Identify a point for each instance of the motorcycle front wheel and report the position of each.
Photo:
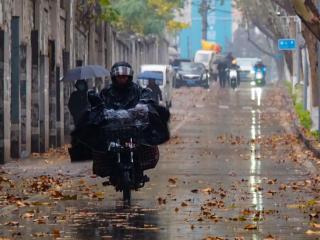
(126, 192)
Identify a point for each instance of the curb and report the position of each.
(309, 143)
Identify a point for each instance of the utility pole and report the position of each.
(203, 10)
(306, 79)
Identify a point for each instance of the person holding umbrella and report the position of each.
(156, 91)
(78, 102)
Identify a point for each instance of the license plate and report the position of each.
(191, 82)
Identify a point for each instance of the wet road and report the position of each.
(232, 170)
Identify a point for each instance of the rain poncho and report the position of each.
(114, 109)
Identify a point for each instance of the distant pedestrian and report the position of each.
(222, 68)
(78, 102)
(156, 91)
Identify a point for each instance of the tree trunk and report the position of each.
(312, 45)
(204, 9)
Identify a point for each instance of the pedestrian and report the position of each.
(229, 58)
(222, 68)
(78, 102)
(156, 91)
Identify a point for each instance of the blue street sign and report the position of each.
(287, 44)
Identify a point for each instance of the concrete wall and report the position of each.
(40, 40)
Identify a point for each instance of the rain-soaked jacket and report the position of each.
(114, 102)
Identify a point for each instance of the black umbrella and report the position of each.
(86, 72)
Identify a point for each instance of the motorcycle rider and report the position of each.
(259, 66)
(124, 94)
(236, 67)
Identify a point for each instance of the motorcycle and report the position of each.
(125, 158)
(124, 143)
(259, 78)
(233, 77)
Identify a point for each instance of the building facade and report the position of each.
(220, 22)
(40, 40)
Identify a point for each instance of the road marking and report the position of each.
(247, 108)
(223, 107)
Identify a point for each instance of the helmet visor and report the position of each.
(122, 71)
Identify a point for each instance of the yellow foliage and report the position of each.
(174, 26)
(163, 7)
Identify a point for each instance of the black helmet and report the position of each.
(121, 69)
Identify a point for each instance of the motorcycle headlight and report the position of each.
(259, 75)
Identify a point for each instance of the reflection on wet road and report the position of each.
(225, 173)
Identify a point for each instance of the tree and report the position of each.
(147, 16)
(91, 11)
(136, 16)
(262, 14)
(205, 7)
(309, 15)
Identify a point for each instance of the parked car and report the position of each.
(246, 70)
(207, 59)
(166, 84)
(177, 62)
(192, 74)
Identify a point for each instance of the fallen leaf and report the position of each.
(172, 180)
(213, 238)
(311, 232)
(56, 233)
(251, 227)
(39, 234)
(162, 200)
(40, 221)
(12, 223)
(183, 204)
(315, 225)
(269, 237)
(28, 215)
(208, 190)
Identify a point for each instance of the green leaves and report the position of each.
(146, 16)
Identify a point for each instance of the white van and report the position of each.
(206, 58)
(166, 85)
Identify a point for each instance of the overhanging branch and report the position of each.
(258, 47)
